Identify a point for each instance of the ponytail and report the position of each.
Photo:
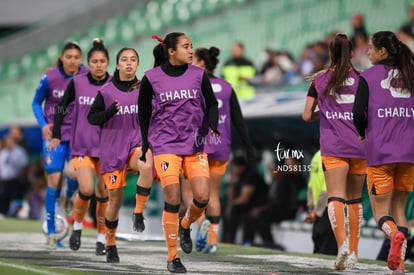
(159, 56)
(340, 50)
(405, 64)
(399, 54)
(160, 51)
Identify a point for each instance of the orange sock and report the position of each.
(337, 218)
(110, 227)
(200, 219)
(192, 214)
(140, 202)
(388, 226)
(141, 198)
(170, 226)
(212, 233)
(100, 215)
(81, 206)
(355, 215)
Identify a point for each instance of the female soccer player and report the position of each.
(50, 90)
(84, 137)
(229, 113)
(176, 106)
(115, 111)
(343, 155)
(383, 116)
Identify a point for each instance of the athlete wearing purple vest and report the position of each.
(384, 117)
(50, 90)
(176, 107)
(229, 114)
(81, 93)
(343, 155)
(115, 110)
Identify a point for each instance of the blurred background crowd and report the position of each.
(269, 47)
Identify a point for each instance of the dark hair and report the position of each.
(69, 45)
(160, 51)
(98, 46)
(118, 55)
(399, 54)
(340, 49)
(209, 56)
(406, 29)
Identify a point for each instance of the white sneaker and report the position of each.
(352, 260)
(210, 249)
(342, 256)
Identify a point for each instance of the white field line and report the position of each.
(26, 268)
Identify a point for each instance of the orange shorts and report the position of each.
(382, 179)
(117, 179)
(218, 166)
(356, 166)
(168, 167)
(81, 161)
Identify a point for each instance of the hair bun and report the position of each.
(97, 42)
(213, 51)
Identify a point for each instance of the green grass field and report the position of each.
(23, 251)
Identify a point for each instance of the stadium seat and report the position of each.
(96, 31)
(11, 69)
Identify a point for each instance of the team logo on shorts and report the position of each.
(112, 178)
(164, 165)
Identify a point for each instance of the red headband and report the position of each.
(158, 38)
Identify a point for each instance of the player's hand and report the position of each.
(47, 131)
(215, 132)
(113, 109)
(147, 163)
(54, 143)
(311, 217)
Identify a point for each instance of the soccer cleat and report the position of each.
(352, 260)
(51, 241)
(202, 235)
(112, 254)
(138, 222)
(75, 239)
(59, 245)
(341, 257)
(185, 239)
(175, 266)
(394, 255)
(100, 249)
(69, 206)
(210, 249)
